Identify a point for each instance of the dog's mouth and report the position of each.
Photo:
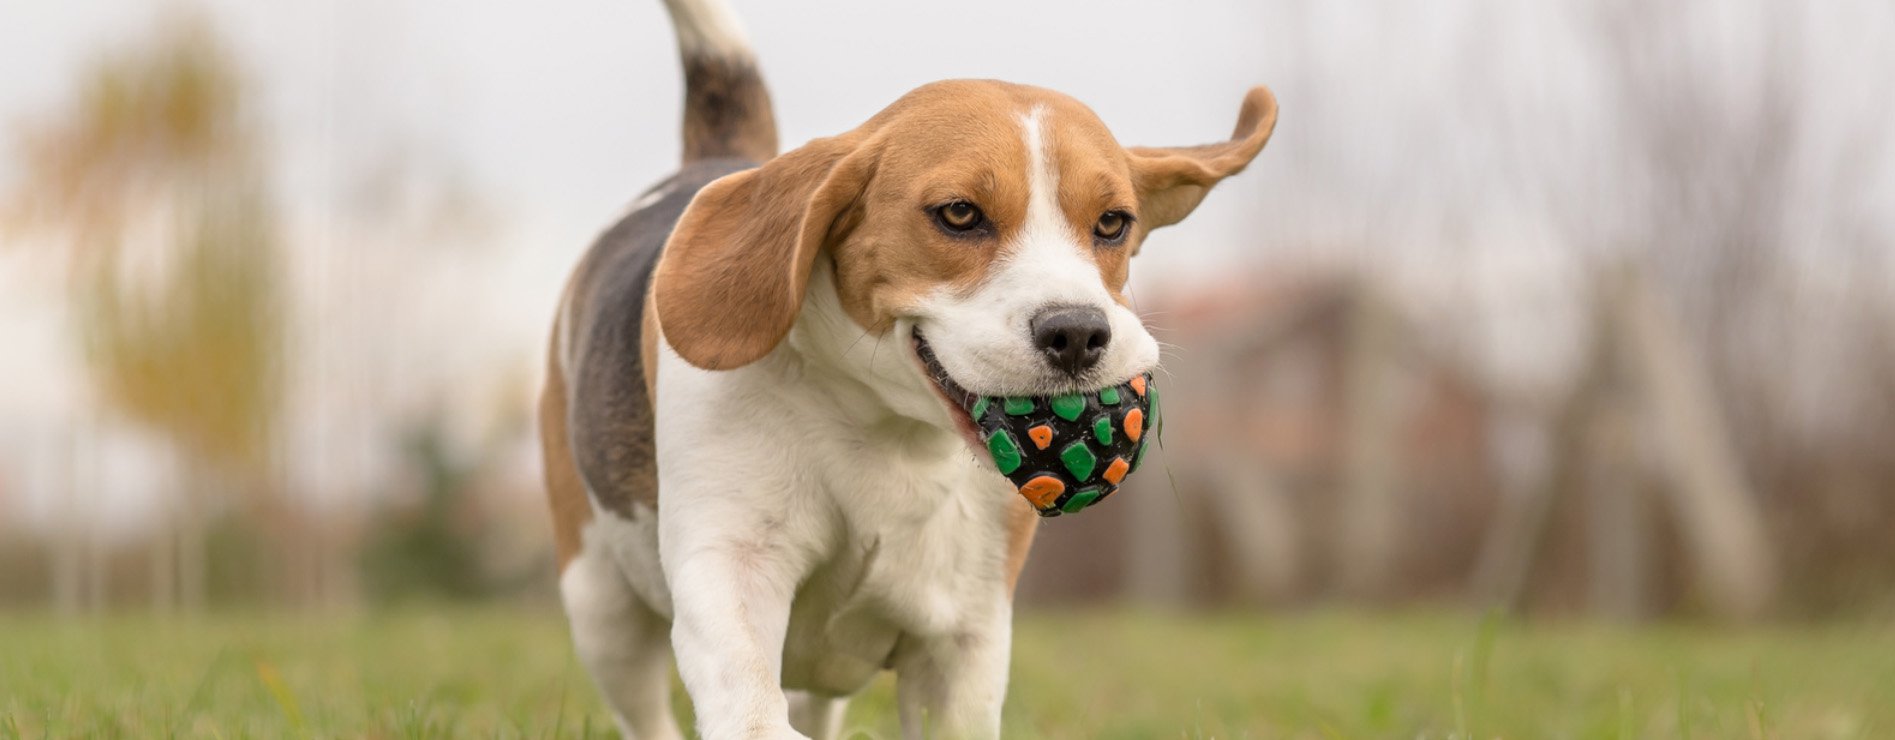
(960, 401)
(1064, 451)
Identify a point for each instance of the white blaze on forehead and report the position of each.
(1042, 179)
(1044, 254)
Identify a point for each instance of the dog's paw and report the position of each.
(778, 733)
(757, 732)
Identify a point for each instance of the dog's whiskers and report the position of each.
(858, 340)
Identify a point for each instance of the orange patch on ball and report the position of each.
(1134, 424)
(1043, 491)
(1138, 386)
(1117, 470)
(1041, 435)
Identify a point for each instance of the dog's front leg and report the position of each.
(733, 578)
(953, 685)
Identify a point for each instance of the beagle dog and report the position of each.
(753, 471)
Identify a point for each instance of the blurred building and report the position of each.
(1315, 447)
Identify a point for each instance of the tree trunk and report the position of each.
(66, 551)
(199, 487)
(1259, 526)
(1370, 516)
(164, 559)
(1618, 527)
(1714, 504)
(1157, 562)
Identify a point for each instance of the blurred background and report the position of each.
(1579, 307)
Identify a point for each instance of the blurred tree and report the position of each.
(430, 551)
(153, 185)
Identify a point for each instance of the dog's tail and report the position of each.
(726, 106)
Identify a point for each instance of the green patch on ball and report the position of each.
(1070, 451)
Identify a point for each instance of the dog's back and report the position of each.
(595, 414)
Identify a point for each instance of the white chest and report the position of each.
(922, 552)
(897, 528)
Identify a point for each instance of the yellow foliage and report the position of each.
(191, 345)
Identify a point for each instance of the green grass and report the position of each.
(500, 673)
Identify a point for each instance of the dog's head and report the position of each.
(992, 223)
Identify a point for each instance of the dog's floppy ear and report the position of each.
(1171, 181)
(733, 274)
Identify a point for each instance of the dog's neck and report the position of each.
(872, 377)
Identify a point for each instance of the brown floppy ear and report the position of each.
(1171, 181)
(733, 274)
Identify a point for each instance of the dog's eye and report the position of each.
(1112, 226)
(959, 216)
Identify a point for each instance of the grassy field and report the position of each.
(499, 673)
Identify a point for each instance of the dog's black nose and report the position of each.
(1073, 338)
